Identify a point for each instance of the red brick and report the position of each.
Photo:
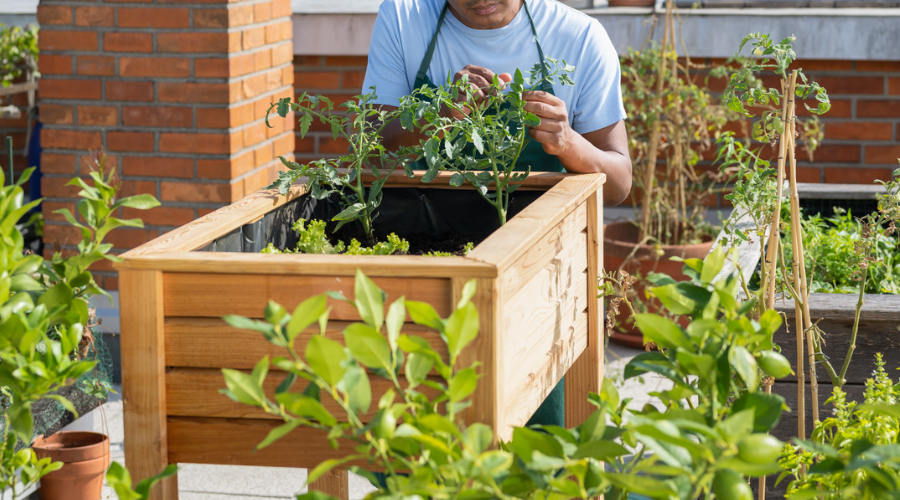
(241, 115)
(195, 92)
(140, 166)
(838, 153)
(60, 235)
(96, 65)
(878, 109)
(54, 114)
(851, 85)
(49, 207)
(128, 42)
(126, 237)
(262, 12)
(287, 31)
(882, 154)
(218, 169)
(853, 175)
(254, 86)
(161, 216)
(880, 66)
(894, 86)
(153, 116)
(95, 16)
(352, 80)
(153, 17)
(213, 117)
(173, 67)
(857, 131)
(259, 179)
(254, 134)
(281, 8)
(317, 80)
(54, 14)
(132, 187)
(263, 155)
(331, 146)
(98, 115)
(70, 139)
(283, 54)
(68, 40)
(50, 64)
(287, 75)
(815, 65)
(262, 60)
(211, 18)
(361, 61)
(240, 15)
(192, 42)
(195, 143)
(110, 283)
(196, 192)
(211, 68)
(130, 141)
(52, 163)
(129, 91)
(240, 65)
(69, 89)
(253, 37)
(304, 145)
(273, 33)
(809, 174)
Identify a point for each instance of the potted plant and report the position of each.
(535, 274)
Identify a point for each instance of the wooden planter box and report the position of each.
(537, 299)
(835, 313)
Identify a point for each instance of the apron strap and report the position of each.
(422, 75)
(546, 86)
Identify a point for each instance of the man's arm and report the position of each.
(604, 150)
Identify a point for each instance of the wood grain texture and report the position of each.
(787, 426)
(202, 231)
(842, 307)
(839, 191)
(535, 180)
(216, 295)
(509, 243)
(194, 392)
(485, 349)
(586, 374)
(334, 482)
(223, 441)
(143, 379)
(227, 347)
(306, 264)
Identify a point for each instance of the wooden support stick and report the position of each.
(334, 483)
(772, 252)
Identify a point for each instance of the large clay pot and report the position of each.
(85, 458)
(619, 240)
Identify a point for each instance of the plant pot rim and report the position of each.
(89, 446)
(622, 230)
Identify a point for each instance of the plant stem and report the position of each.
(860, 300)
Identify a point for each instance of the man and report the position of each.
(419, 42)
(581, 126)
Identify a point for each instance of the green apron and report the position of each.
(552, 410)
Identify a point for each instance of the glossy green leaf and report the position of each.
(368, 346)
(663, 331)
(369, 300)
(325, 357)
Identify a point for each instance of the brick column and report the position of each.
(175, 91)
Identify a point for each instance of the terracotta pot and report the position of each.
(85, 458)
(619, 240)
(632, 3)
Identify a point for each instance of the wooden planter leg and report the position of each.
(143, 379)
(586, 374)
(334, 483)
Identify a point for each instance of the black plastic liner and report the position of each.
(825, 208)
(439, 212)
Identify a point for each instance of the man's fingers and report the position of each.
(540, 95)
(545, 110)
(504, 77)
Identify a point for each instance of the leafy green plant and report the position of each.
(314, 240)
(44, 312)
(360, 124)
(482, 147)
(119, 480)
(856, 452)
(18, 52)
(468, 248)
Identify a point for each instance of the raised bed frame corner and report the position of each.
(540, 319)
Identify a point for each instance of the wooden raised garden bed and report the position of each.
(539, 315)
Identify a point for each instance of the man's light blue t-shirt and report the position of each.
(404, 28)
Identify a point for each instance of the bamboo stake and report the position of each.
(774, 240)
(653, 153)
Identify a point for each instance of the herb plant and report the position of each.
(18, 52)
(314, 240)
(482, 147)
(361, 124)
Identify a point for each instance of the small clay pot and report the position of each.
(619, 240)
(85, 458)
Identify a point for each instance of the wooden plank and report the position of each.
(509, 243)
(810, 191)
(535, 180)
(18, 88)
(305, 264)
(486, 350)
(222, 441)
(143, 382)
(334, 482)
(194, 392)
(570, 231)
(227, 347)
(842, 307)
(202, 231)
(586, 374)
(873, 337)
(527, 394)
(787, 426)
(216, 295)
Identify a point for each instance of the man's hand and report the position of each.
(480, 79)
(554, 132)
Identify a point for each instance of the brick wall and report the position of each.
(175, 91)
(17, 129)
(862, 130)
